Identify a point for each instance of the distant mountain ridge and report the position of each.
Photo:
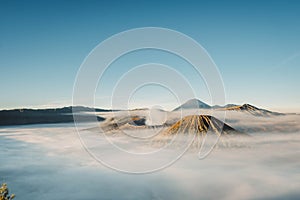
(193, 104)
(67, 109)
(65, 114)
(197, 104)
(46, 116)
(251, 109)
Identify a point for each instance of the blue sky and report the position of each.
(255, 45)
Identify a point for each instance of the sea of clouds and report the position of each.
(49, 162)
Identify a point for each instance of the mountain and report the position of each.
(197, 127)
(200, 124)
(251, 109)
(226, 106)
(196, 104)
(193, 104)
(45, 116)
(123, 122)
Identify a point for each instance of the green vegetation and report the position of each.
(4, 193)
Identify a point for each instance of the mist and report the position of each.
(48, 162)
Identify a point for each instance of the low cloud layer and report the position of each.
(48, 162)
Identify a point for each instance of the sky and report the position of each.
(255, 45)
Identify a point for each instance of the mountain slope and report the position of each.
(123, 122)
(200, 124)
(197, 129)
(251, 109)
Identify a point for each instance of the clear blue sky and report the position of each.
(255, 44)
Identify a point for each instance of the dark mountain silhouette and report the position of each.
(44, 116)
